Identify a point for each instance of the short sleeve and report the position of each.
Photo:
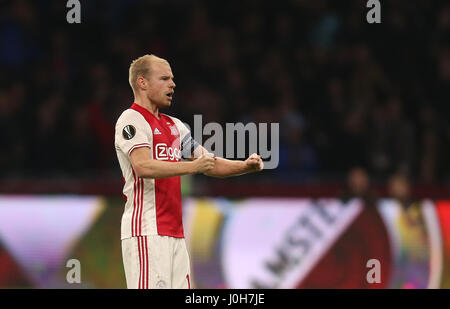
(132, 131)
(187, 144)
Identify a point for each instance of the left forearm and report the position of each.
(226, 168)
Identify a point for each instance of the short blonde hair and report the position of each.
(142, 67)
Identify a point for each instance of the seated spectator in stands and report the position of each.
(358, 186)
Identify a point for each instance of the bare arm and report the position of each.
(227, 168)
(148, 168)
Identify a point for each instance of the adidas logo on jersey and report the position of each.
(156, 131)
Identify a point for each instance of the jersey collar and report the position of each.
(146, 113)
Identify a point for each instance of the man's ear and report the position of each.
(142, 83)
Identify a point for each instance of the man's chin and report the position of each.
(164, 104)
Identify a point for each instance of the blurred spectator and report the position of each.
(359, 186)
(400, 189)
(17, 35)
(298, 159)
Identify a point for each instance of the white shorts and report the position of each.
(156, 262)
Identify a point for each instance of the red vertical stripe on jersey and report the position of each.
(134, 205)
(189, 283)
(142, 206)
(138, 208)
(124, 196)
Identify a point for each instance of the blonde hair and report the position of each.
(142, 67)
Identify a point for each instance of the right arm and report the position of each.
(149, 168)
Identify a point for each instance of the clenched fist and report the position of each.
(205, 163)
(254, 163)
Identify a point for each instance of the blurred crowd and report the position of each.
(346, 93)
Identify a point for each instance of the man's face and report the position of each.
(161, 84)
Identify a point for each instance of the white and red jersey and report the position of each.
(153, 206)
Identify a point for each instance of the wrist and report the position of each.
(191, 167)
(246, 168)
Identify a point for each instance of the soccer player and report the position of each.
(150, 146)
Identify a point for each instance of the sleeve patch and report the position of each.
(128, 132)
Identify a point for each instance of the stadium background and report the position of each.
(363, 112)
